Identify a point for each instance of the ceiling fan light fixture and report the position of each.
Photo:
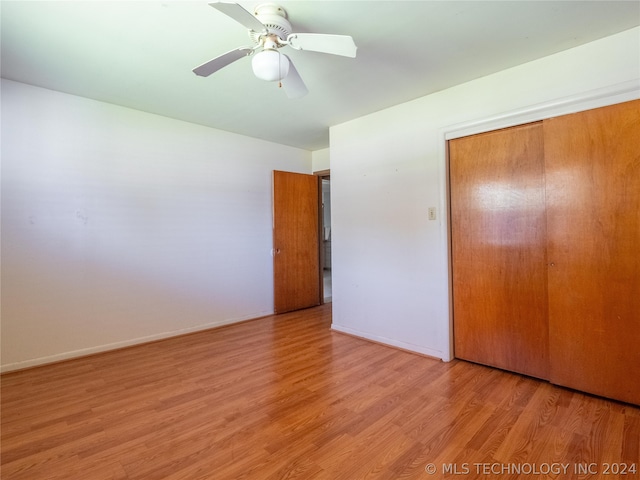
(270, 65)
(270, 30)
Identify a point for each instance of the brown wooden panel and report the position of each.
(296, 262)
(593, 212)
(499, 249)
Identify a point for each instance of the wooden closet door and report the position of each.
(498, 241)
(593, 213)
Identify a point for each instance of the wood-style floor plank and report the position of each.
(284, 397)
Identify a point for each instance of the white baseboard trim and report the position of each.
(83, 352)
(410, 347)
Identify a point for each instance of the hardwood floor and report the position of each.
(284, 397)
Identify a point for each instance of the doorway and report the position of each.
(325, 244)
(301, 240)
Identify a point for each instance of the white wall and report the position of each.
(320, 160)
(120, 226)
(390, 263)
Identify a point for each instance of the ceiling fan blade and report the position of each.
(293, 85)
(319, 42)
(240, 15)
(221, 61)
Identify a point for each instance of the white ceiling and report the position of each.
(139, 54)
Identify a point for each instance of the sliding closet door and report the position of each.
(498, 234)
(593, 214)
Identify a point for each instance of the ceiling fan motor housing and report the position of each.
(274, 17)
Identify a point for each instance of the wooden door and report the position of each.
(592, 163)
(498, 243)
(296, 234)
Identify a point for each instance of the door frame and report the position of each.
(322, 175)
(600, 97)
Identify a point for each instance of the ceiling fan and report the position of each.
(270, 30)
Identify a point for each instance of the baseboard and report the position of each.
(409, 347)
(84, 352)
